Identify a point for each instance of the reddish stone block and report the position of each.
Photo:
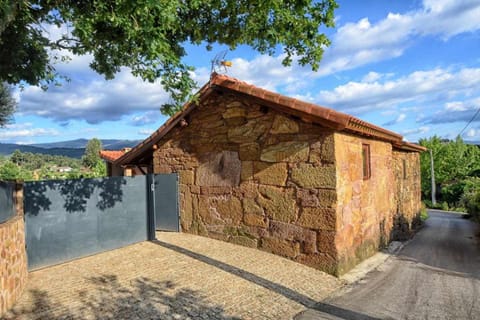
(281, 247)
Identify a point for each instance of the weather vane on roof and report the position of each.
(219, 64)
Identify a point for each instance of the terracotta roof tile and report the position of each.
(111, 155)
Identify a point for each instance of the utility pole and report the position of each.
(432, 171)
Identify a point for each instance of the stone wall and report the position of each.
(407, 194)
(364, 206)
(13, 258)
(256, 177)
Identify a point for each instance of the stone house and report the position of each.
(271, 172)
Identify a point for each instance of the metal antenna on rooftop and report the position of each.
(219, 64)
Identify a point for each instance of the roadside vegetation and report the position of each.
(457, 175)
(29, 166)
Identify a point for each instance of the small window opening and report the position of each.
(404, 169)
(366, 161)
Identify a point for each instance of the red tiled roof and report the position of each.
(304, 110)
(111, 155)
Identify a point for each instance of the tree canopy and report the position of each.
(92, 153)
(150, 36)
(7, 105)
(457, 168)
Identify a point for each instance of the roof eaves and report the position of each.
(359, 126)
(408, 146)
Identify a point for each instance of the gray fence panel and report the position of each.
(166, 202)
(7, 204)
(74, 218)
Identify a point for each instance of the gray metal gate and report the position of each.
(69, 219)
(166, 202)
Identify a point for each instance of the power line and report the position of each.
(469, 122)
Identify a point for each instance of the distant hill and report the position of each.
(72, 148)
(8, 148)
(108, 144)
(472, 142)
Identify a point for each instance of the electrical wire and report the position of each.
(469, 122)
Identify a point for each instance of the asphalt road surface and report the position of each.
(435, 276)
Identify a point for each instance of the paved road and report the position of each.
(435, 276)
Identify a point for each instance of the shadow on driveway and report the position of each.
(275, 287)
(107, 298)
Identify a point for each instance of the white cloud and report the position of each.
(397, 120)
(420, 130)
(10, 133)
(269, 73)
(359, 43)
(145, 118)
(456, 111)
(145, 132)
(88, 97)
(371, 77)
(472, 133)
(420, 86)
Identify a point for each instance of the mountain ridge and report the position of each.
(69, 148)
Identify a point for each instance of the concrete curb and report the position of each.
(372, 263)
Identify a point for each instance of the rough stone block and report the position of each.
(318, 218)
(236, 104)
(289, 151)
(278, 203)
(249, 151)
(309, 176)
(283, 124)
(186, 177)
(186, 209)
(319, 261)
(216, 190)
(247, 189)
(247, 171)
(207, 214)
(219, 169)
(251, 207)
(244, 241)
(271, 173)
(286, 231)
(281, 247)
(326, 242)
(328, 149)
(229, 209)
(254, 220)
(308, 197)
(249, 132)
(234, 112)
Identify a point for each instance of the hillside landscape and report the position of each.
(70, 148)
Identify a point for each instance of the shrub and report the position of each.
(423, 213)
(471, 201)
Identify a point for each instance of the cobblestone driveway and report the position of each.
(180, 276)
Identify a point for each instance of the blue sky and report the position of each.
(409, 66)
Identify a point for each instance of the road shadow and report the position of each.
(107, 298)
(448, 244)
(269, 285)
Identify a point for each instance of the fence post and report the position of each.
(150, 189)
(18, 198)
